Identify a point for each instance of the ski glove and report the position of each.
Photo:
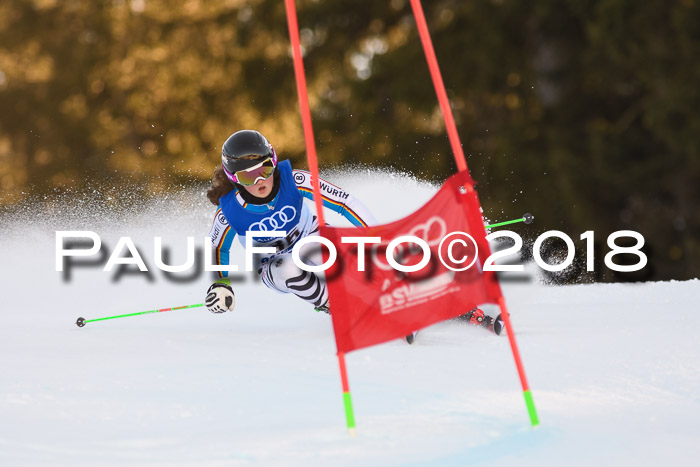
(220, 297)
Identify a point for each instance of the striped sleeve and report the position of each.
(222, 236)
(336, 199)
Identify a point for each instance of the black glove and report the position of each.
(220, 297)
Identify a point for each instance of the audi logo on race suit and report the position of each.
(276, 221)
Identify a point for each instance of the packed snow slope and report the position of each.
(614, 369)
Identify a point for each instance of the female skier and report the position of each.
(254, 192)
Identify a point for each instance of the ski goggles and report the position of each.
(263, 170)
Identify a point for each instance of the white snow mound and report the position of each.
(614, 369)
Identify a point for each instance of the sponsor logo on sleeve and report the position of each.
(334, 192)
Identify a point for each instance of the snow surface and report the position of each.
(614, 369)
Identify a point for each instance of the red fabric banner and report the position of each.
(380, 303)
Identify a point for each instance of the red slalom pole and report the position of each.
(313, 168)
(457, 151)
(347, 399)
(529, 401)
(304, 106)
(462, 165)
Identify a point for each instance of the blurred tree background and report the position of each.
(583, 112)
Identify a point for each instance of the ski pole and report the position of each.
(527, 218)
(82, 321)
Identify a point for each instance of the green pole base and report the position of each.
(349, 413)
(530, 403)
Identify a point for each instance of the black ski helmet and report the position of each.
(243, 150)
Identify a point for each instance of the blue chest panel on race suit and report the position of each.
(284, 212)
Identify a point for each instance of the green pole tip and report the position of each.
(531, 410)
(349, 413)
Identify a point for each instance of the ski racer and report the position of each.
(254, 191)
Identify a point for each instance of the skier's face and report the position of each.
(262, 188)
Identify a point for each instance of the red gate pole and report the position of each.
(304, 106)
(529, 401)
(457, 151)
(462, 165)
(313, 168)
(347, 399)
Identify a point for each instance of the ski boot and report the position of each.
(477, 317)
(411, 337)
(323, 308)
